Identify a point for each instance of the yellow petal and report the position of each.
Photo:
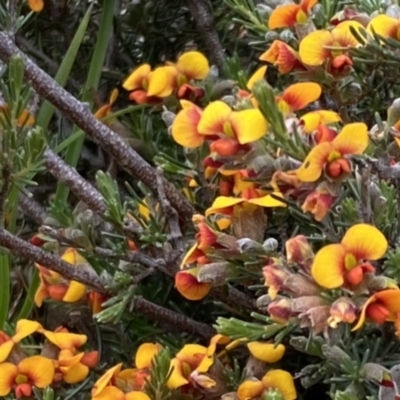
(108, 393)
(65, 340)
(185, 127)
(5, 350)
(105, 379)
(249, 125)
(8, 373)
(161, 82)
(365, 242)
(342, 34)
(222, 202)
(312, 119)
(266, 352)
(328, 266)
(41, 293)
(189, 352)
(76, 373)
(311, 169)
(213, 118)
(353, 139)
(281, 380)
(73, 257)
(145, 354)
(268, 201)
(256, 77)
(24, 328)
(363, 317)
(312, 48)
(135, 79)
(75, 292)
(384, 26)
(176, 378)
(39, 369)
(300, 95)
(135, 395)
(250, 390)
(36, 5)
(193, 65)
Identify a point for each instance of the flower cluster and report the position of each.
(61, 359)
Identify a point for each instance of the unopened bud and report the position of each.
(263, 10)
(270, 245)
(299, 251)
(342, 310)
(168, 117)
(270, 36)
(280, 310)
(377, 374)
(286, 36)
(246, 245)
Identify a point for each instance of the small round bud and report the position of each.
(270, 244)
(270, 36)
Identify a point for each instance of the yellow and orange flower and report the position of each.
(105, 110)
(266, 352)
(291, 14)
(35, 371)
(188, 285)
(283, 56)
(277, 380)
(329, 46)
(190, 366)
(36, 5)
(380, 307)
(346, 263)
(318, 203)
(53, 285)
(74, 369)
(331, 156)
(257, 76)
(311, 121)
(385, 26)
(342, 310)
(298, 96)
(23, 329)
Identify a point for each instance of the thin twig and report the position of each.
(170, 213)
(172, 319)
(50, 261)
(199, 9)
(32, 209)
(80, 114)
(81, 188)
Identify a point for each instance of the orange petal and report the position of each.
(307, 5)
(313, 119)
(266, 352)
(176, 378)
(312, 49)
(39, 369)
(213, 118)
(193, 65)
(384, 26)
(145, 354)
(249, 125)
(300, 95)
(41, 294)
(311, 169)
(8, 373)
(353, 139)
(77, 373)
(136, 78)
(5, 349)
(282, 381)
(328, 266)
(249, 390)
(185, 126)
(189, 287)
(283, 16)
(390, 299)
(36, 5)
(361, 320)
(365, 242)
(281, 55)
(256, 77)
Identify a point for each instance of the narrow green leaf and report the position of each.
(29, 302)
(47, 110)
(92, 82)
(4, 288)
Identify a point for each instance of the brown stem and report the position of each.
(173, 319)
(80, 114)
(32, 209)
(50, 261)
(204, 20)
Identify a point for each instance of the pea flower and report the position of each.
(189, 366)
(53, 285)
(266, 352)
(380, 307)
(385, 26)
(188, 285)
(23, 329)
(112, 392)
(35, 371)
(314, 119)
(319, 202)
(323, 46)
(345, 263)
(282, 56)
(331, 156)
(291, 14)
(275, 382)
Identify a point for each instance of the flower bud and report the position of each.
(377, 374)
(315, 318)
(376, 283)
(168, 117)
(270, 36)
(299, 251)
(300, 285)
(263, 10)
(275, 276)
(246, 245)
(270, 244)
(342, 310)
(221, 89)
(280, 310)
(393, 113)
(393, 11)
